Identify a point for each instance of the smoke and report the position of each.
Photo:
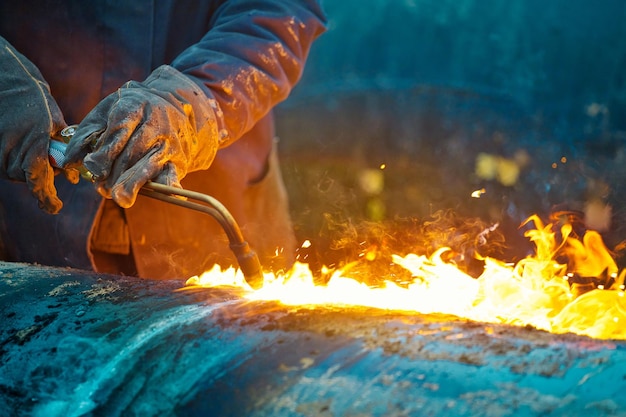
(366, 248)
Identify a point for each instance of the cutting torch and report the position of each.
(246, 257)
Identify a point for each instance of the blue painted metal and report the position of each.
(76, 343)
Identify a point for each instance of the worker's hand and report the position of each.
(29, 117)
(159, 130)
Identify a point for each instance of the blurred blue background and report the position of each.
(552, 58)
(442, 91)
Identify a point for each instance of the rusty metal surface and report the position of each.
(77, 343)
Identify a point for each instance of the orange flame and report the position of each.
(535, 292)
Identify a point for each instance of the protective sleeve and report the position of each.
(251, 57)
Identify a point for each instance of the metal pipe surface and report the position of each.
(77, 343)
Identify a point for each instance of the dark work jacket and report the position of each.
(246, 54)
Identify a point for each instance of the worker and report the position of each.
(178, 92)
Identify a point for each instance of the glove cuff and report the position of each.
(20, 77)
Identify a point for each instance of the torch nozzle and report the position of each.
(249, 264)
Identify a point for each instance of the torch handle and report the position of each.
(58, 148)
(56, 154)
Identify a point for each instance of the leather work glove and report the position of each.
(29, 117)
(159, 129)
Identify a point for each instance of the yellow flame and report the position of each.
(534, 292)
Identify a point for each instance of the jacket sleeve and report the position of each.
(251, 57)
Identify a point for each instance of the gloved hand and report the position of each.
(159, 130)
(29, 117)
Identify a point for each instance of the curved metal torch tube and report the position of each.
(214, 208)
(248, 260)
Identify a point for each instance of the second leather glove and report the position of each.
(29, 117)
(159, 130)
